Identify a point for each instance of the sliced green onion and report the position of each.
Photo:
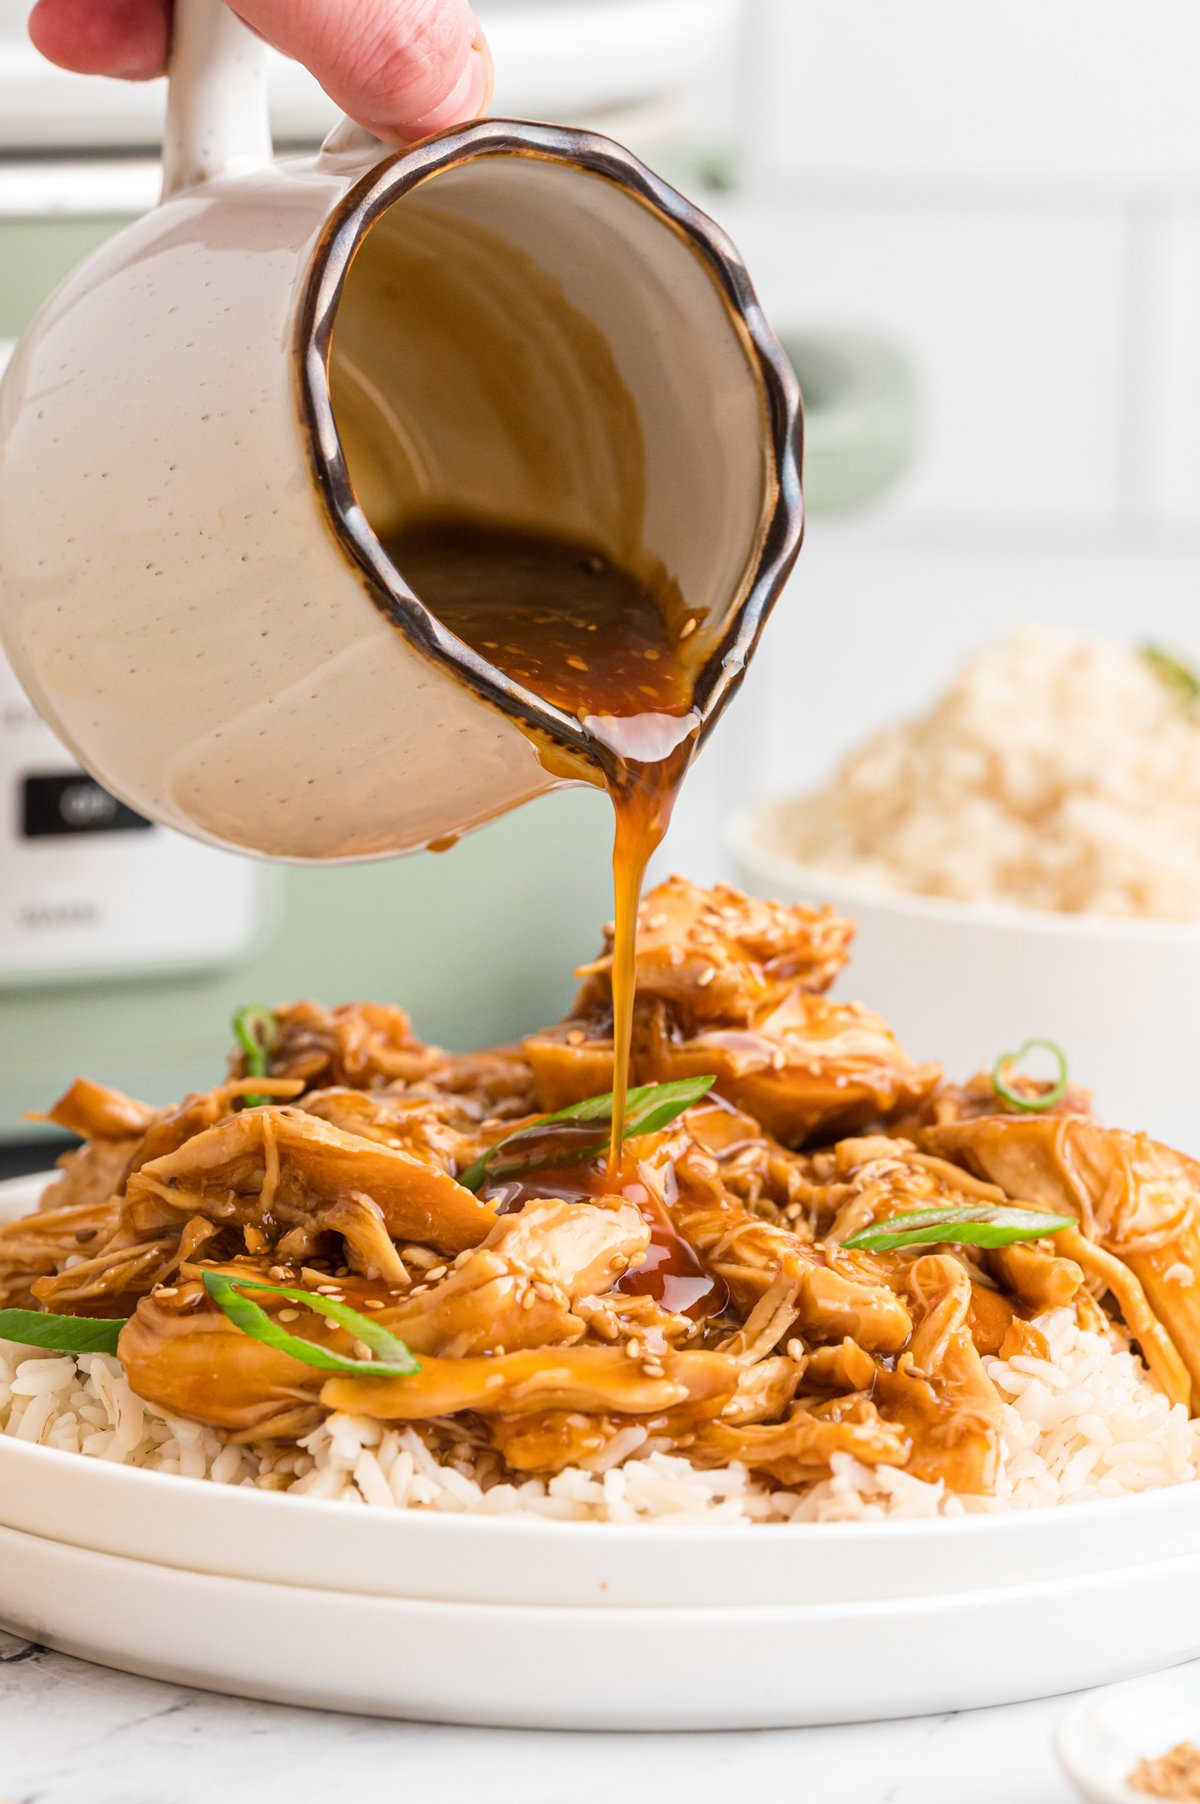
(394, 1359)
(256, 1031)
(1031, 1105)
(1173, 672)
(647, 1109)
(974, 1225)
(61, 1333)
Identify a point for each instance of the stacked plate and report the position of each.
(528, 1623)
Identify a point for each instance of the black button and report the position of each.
(53, 806)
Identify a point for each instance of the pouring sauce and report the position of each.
(617, 653)
(672, 1273)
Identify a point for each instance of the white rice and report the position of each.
(1086, 1423)
(1057, 771)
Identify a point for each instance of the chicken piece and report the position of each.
(764, 1391)
(838, 1294)
(728, 986)
(557, 1438)
(978, 1096)
(111, 1281)
(591, 1380)
(716, 956)
(497, 1083)
(939, 1392)
(91, 1174)
(845, 1367)
(797, 1450)
(173, 1128)
(98, 1112)
(111, 1124)
(754, 1166)
(814, 1066)
(990, 1318)
(363, 1045)
(181, 1353)
(551, 1441)
(38, 1245)
(275, 1169)
(1113, 1276)
(517, 1289)
(1134, 1199)
(1036, 1278)
(437, 1130)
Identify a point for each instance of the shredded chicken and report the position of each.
(698, 1298)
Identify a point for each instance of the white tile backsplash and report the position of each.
(1011, 192)
(1094, 95)
(1163, 369)
(1014, 320)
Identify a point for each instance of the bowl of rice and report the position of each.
(1023, 859)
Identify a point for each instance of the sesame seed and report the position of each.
(528, 1300)
(706, 976)
(280, 1273)
(688, 628)
(289, 1315)
(374, 1303)
(633, 1347)
(795, 1349)
(167, 1290)
(439, 1271)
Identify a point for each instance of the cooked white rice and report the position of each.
(1086, 1423)
(1057, 771)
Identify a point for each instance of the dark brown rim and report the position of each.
(344, 232)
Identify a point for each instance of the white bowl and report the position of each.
(962, 982)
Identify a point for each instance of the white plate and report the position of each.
(1102, 1738)
(242, 1533)
(598, 1669)
(837, 1622)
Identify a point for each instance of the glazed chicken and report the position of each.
(700, 1289)
(736, 987)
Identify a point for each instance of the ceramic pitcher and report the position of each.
(211, 425)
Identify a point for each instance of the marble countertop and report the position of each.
(71, 1733)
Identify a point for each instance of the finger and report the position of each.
(103, 37)
(402, 68)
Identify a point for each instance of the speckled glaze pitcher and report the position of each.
(212, 424)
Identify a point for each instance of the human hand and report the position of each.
(402, 68)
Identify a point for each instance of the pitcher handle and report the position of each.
(217, 116)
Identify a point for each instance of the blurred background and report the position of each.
(978, 234)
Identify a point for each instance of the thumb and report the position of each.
(402, 68)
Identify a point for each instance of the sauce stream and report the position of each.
(590, 638)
